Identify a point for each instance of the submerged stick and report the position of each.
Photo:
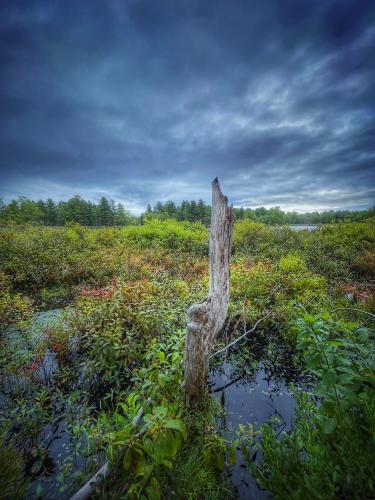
(239, 338)
(88, 488)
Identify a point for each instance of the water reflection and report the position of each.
(253, 388)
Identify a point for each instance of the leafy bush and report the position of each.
(365, 264)
(334, 248)
(292, 264)
(331, 250)
(181, 236)
(330, 452)
(251, 236)
(122, 342)
(285, 289)
(14, 307)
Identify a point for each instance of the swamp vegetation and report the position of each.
(92, 330)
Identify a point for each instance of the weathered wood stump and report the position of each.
(205, 319)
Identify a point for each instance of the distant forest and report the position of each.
(108, 213)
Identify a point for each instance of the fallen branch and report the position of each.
(353, 309)
(239, 338)
(88, 488)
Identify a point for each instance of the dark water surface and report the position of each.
(253, 402)
(54, 438)
(252, 386)
(253, 391)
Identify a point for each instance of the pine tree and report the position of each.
(51, 213)
(104, 212)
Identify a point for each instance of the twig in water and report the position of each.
(239, 338)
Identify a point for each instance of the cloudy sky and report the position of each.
(146, 100)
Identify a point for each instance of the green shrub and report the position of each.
(14, 307)
(170, 234)
(252, 238)
(292, 263)
(330, 452)
(365, 264)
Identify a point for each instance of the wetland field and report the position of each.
(92, 331)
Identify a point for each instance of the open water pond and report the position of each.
(301, 227)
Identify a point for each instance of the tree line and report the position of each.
(104, 213)
(108, 213)
(199, 211)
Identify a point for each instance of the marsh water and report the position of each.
(253, 386)
(301, 227)
(251, 383)
(44, 472)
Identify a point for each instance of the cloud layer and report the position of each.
(144, 101)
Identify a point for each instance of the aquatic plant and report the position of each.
(330, 452)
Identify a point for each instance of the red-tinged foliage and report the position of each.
(100, 292)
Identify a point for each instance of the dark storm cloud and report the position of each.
(142, 100)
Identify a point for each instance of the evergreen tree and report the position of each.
(51, 213)
(105, 212)
(170, 210)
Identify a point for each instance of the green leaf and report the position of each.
(165, 446)
(346, 378)
(177, 425)
(232, 455)
(362, 334)
(236, 442)
(329, 377)
(220, 462)
(127, 459)
(160, 411)
(147, 445)
(328, 408)
(369, 374)
(152, 493)
(144, 470)
(309, 319)
(329, 425)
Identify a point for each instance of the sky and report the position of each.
(148, 100)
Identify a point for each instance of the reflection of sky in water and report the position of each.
(246, 399)
(54, 436)
(302, 227)
(251, 401)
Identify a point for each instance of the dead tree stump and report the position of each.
(205, 319)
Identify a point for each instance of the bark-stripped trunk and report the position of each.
(205, 319)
